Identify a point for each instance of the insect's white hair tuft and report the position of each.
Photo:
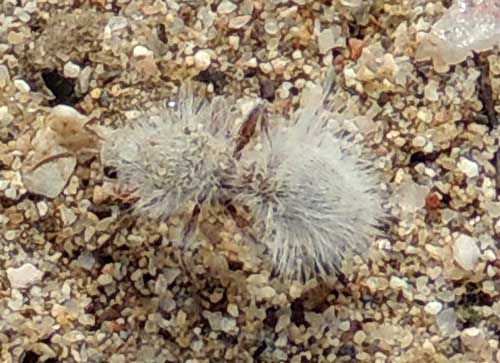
(172, 156)
(315, 198)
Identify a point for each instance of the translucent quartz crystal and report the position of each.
(468, 25)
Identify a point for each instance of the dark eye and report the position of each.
(110, 172)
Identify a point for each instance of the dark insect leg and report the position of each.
(247, 129)
(50, 158)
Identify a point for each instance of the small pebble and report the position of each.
(265, 293)
(86, 261)
(355, 47)
(232, 309)
(71, 70)
(67, 215)
(50, 179)
(141, 51)
(227, 324)
(202, 59)
(326, 40)
(239, 21)
(397, 283)
(4, 184)
(10, 235)
(22, 86)
(418, 141)
(104, 279)
(117, 23)
(433, 307)
(431, 91)
(447, 321)
(24, 276)
(359, 337)
(42, 208)
(271, 27)
(234, 41)
(474, 339)
(466, 252)
(5, 117)
(226, 7)
(468, 167)
(4, 75)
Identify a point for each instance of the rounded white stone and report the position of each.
(468, 167)
(22, 86)
(202, 59)
(466, 252)
(433, 307)
(24, 276)
(141, 51)
(419, 141)
(71, 70)
(226, 7)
